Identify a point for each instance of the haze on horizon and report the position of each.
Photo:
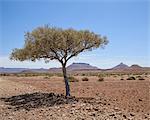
(126, 24)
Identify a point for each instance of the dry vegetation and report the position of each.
(98, 96)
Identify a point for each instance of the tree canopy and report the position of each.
(52, 43)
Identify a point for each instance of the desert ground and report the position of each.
(28, 98)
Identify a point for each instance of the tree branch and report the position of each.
(76, 53)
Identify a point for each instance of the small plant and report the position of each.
(72, 79)
(141, 78)
(138, 76)
(83, 74)
(85, 79)
(131, 78)
(101, 79)
(46, 77)
(115, 76)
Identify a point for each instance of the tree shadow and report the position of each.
(37, 100)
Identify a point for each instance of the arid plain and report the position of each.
(113, 97)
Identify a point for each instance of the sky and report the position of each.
(124, 22)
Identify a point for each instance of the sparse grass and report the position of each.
(85, 79)
(59, 74)
(131, 78)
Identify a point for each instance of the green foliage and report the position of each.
(55, 43)
(72, 79)
(85, 79)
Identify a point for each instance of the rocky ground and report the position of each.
(43, 99)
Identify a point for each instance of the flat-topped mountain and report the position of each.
(76, 67)
(81, 66)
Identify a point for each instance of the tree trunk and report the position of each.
(66, 80)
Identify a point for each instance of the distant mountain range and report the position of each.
(125, 68)
(21, 70)
(77, 67)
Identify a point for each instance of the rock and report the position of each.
(96, 109)
(124, 116)
(131, 114)
(112, 115)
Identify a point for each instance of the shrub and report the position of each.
(83, 74)
(141, 78)
(138, 76)
(59, 74)
(131, 78)
(46, 77)
(72, 79)
(121, 79)
(85, 79)
(101, 79)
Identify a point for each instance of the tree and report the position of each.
(51, 43)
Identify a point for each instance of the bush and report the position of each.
(101, 79)
(131, 78)
(141, 78)
(46, 77)
(121, 79)
(72, 79)
(83, 74)
(138, 76)
(85, 79)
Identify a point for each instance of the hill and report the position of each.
(81, 66)
(120, 66)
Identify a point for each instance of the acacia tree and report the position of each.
(51, 43)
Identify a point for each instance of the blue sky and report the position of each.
(125, 23)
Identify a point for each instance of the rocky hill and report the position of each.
(120, 66)
(81, 66)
